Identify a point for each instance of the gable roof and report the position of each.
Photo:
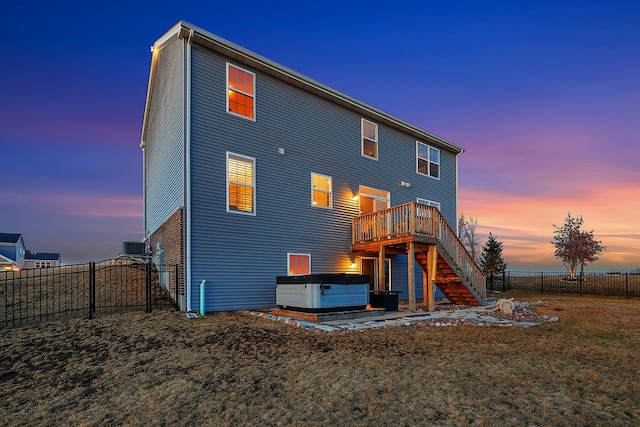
(193, 34)
(4, 260)
(9, 237)
(42, 256)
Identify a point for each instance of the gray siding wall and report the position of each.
(239, 255)
(164, 145)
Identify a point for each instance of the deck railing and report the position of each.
(414, 219)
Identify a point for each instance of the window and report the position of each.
(241, 89)
(429, 203)
(42, 264)
(241, 184)
(321, 190)
(369, 139)
(428, 159)
(298, 264)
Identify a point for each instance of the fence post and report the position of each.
(626, 285)
(542, 282)
(92, 289)
(148, 286)
(580, 285)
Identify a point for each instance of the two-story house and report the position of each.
(253, 171)
(12, 251)
(42, 259)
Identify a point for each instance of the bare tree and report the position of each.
(575, 247)
(469, 237)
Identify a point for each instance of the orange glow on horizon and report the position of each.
(524, 223)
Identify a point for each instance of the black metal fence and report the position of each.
(85, 290)
(603, 284)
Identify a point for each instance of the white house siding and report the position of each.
(240, 255)
(165, 136)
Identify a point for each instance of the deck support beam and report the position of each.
(381, 276)
(432, 265)
(411, 252)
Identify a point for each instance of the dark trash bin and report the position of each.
(384, 299)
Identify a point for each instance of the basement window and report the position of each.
(298, 264)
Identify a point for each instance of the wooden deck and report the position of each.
(423, 234)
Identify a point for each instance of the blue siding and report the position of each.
(241, 255)
(165, 138)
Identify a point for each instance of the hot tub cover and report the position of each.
(335, 279)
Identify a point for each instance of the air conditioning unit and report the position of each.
(135, 249)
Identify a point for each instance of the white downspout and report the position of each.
(187, 178)
(457, 194)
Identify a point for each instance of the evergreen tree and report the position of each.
(491, 261)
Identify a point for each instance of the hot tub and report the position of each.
(318, 293)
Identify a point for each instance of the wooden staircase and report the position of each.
(421, 231)
(448, 281)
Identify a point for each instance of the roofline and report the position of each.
(182, 29)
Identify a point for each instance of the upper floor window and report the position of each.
(321, 190)
(298, 264)
(369, 139)
(241, 184)
(241, 89)
(429, 203)
(428, 160)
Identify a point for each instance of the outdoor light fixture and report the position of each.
(356, 197)
(405, 184)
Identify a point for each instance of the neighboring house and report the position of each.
(42, 260)
(12, 251)
(253, 171)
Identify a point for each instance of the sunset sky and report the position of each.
(544, 95)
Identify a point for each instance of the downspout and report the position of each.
(457, 213)
(187, 177)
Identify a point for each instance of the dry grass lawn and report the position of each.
(233, 369)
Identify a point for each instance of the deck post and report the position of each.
(412, 277)
(432, 265)
(381, 278)
(425, 289)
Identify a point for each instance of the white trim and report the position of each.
(289, 263)
(330, 192)
(439, 163)
(456, 199)
(187, 175)
(253, 95)
(362, 138)
(253, 184)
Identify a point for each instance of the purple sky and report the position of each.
(545, 96)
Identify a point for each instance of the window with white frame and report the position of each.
(369, 139)
(241, 89)
(429, 203)
(42, 264)
(321, 195)
(241, 184)
(428, 160)
(298, 264)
